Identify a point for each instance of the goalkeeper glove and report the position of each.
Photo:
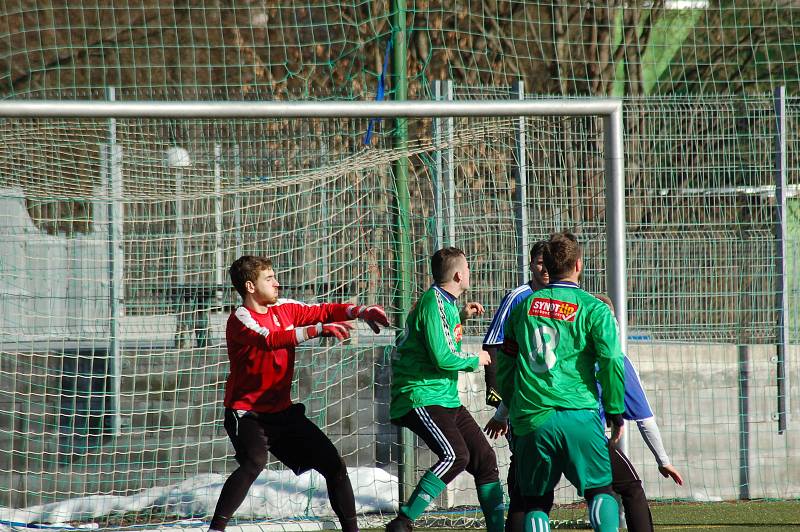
(337, 329)
(372, 315)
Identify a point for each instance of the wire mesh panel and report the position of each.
(116, 235)
(335, 49)
(125, 400)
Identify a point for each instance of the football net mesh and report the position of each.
(121, 400)
(113, 407)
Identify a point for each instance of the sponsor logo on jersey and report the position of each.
(458, 333)
(553, 308)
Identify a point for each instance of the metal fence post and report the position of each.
(781, 288)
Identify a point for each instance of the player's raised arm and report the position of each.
(305, 314)
(312, 313)
(470, 309)
(243, 329)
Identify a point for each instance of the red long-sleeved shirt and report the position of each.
(261, 350)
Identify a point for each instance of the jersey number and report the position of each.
(544, 357)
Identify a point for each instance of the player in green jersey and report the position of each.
(553, 340)
(492, 342)
(424, 394)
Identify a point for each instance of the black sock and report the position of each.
(218, 522)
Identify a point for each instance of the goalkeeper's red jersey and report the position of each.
(261, 350)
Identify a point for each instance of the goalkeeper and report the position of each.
(553, 340)
(424, 394)
(261, 337)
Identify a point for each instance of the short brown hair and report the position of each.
(444, 262)
(560, 254)
(537, 249)
(247, 268)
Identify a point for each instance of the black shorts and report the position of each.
(456, 440)
(288, 435)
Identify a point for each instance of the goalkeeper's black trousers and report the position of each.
(294, 440)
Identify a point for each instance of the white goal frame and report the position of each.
(609, 109)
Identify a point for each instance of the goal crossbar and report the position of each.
(327, 109)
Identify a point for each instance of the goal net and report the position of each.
(116, 239)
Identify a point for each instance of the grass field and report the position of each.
(762, 516)
(759, 516)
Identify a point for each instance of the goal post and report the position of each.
(224, 217)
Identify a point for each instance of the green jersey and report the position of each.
(568, 342)
(428, 355)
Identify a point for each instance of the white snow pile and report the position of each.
(275, 494)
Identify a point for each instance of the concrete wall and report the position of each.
(55, 438)
(51, 286)
(52, 446)
(694, 392)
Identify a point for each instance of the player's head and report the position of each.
(562, 256)
(254, 277)
(539, 274)
(607, 300)
(450, 265)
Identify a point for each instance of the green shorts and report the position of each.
(572, 443)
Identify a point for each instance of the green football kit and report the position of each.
(560, 342)
(428, 356)
(424, 399)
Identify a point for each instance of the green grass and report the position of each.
(727, 528)
(735, 516)
(762, 516)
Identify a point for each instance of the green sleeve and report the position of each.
(445, 354)
(506, 367)
(611, 373)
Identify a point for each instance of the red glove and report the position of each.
(338, 329)
(372, 315)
